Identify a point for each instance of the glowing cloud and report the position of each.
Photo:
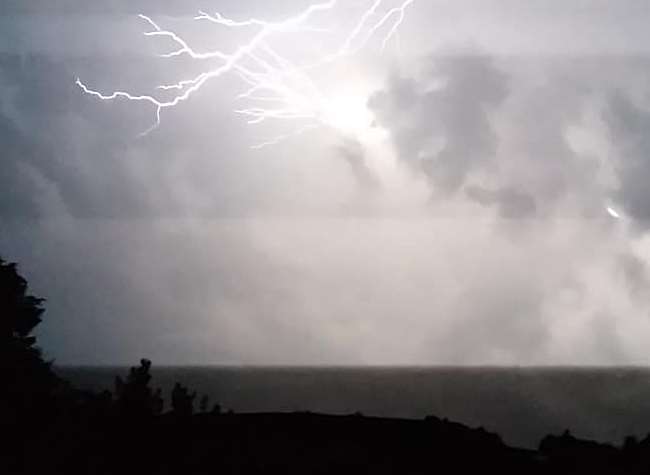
(277, 88)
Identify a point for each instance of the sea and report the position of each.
(522, 405)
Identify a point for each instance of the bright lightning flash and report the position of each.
(276, 89)
(613, 213)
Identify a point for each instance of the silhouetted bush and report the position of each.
(28, 382)
(182, 401)
(134, 397)
(204, 403)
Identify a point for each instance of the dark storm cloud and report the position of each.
(512, 203)
(540, 157)
(353, 153)
(87, 154)
(133, 7)
(45, 129)
(629, 125)
(444, 131)
(270, 271)
(530, 127)
(20, 195)
(501, 128)
(637, 277)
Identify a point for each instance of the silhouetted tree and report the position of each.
(203, 404)
(182, 401)
(28, 382)
(134, 397)
(158, 402)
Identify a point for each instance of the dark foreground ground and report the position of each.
(300, 443)
(50, 427)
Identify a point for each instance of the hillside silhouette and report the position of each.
(51, 427)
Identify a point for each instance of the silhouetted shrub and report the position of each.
(134, 397)
(182, 401)
(157, 403)
(203, 404)
(28, 383)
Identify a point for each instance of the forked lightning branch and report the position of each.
(273, 87)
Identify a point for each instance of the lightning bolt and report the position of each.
(276, 88)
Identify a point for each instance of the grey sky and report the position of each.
(468, 225)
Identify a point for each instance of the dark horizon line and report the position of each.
(361, 366)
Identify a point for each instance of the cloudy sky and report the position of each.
(477, 192)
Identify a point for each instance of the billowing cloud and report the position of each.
(440, 123)
(469, 226)
(629, 125)
(512, 203)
